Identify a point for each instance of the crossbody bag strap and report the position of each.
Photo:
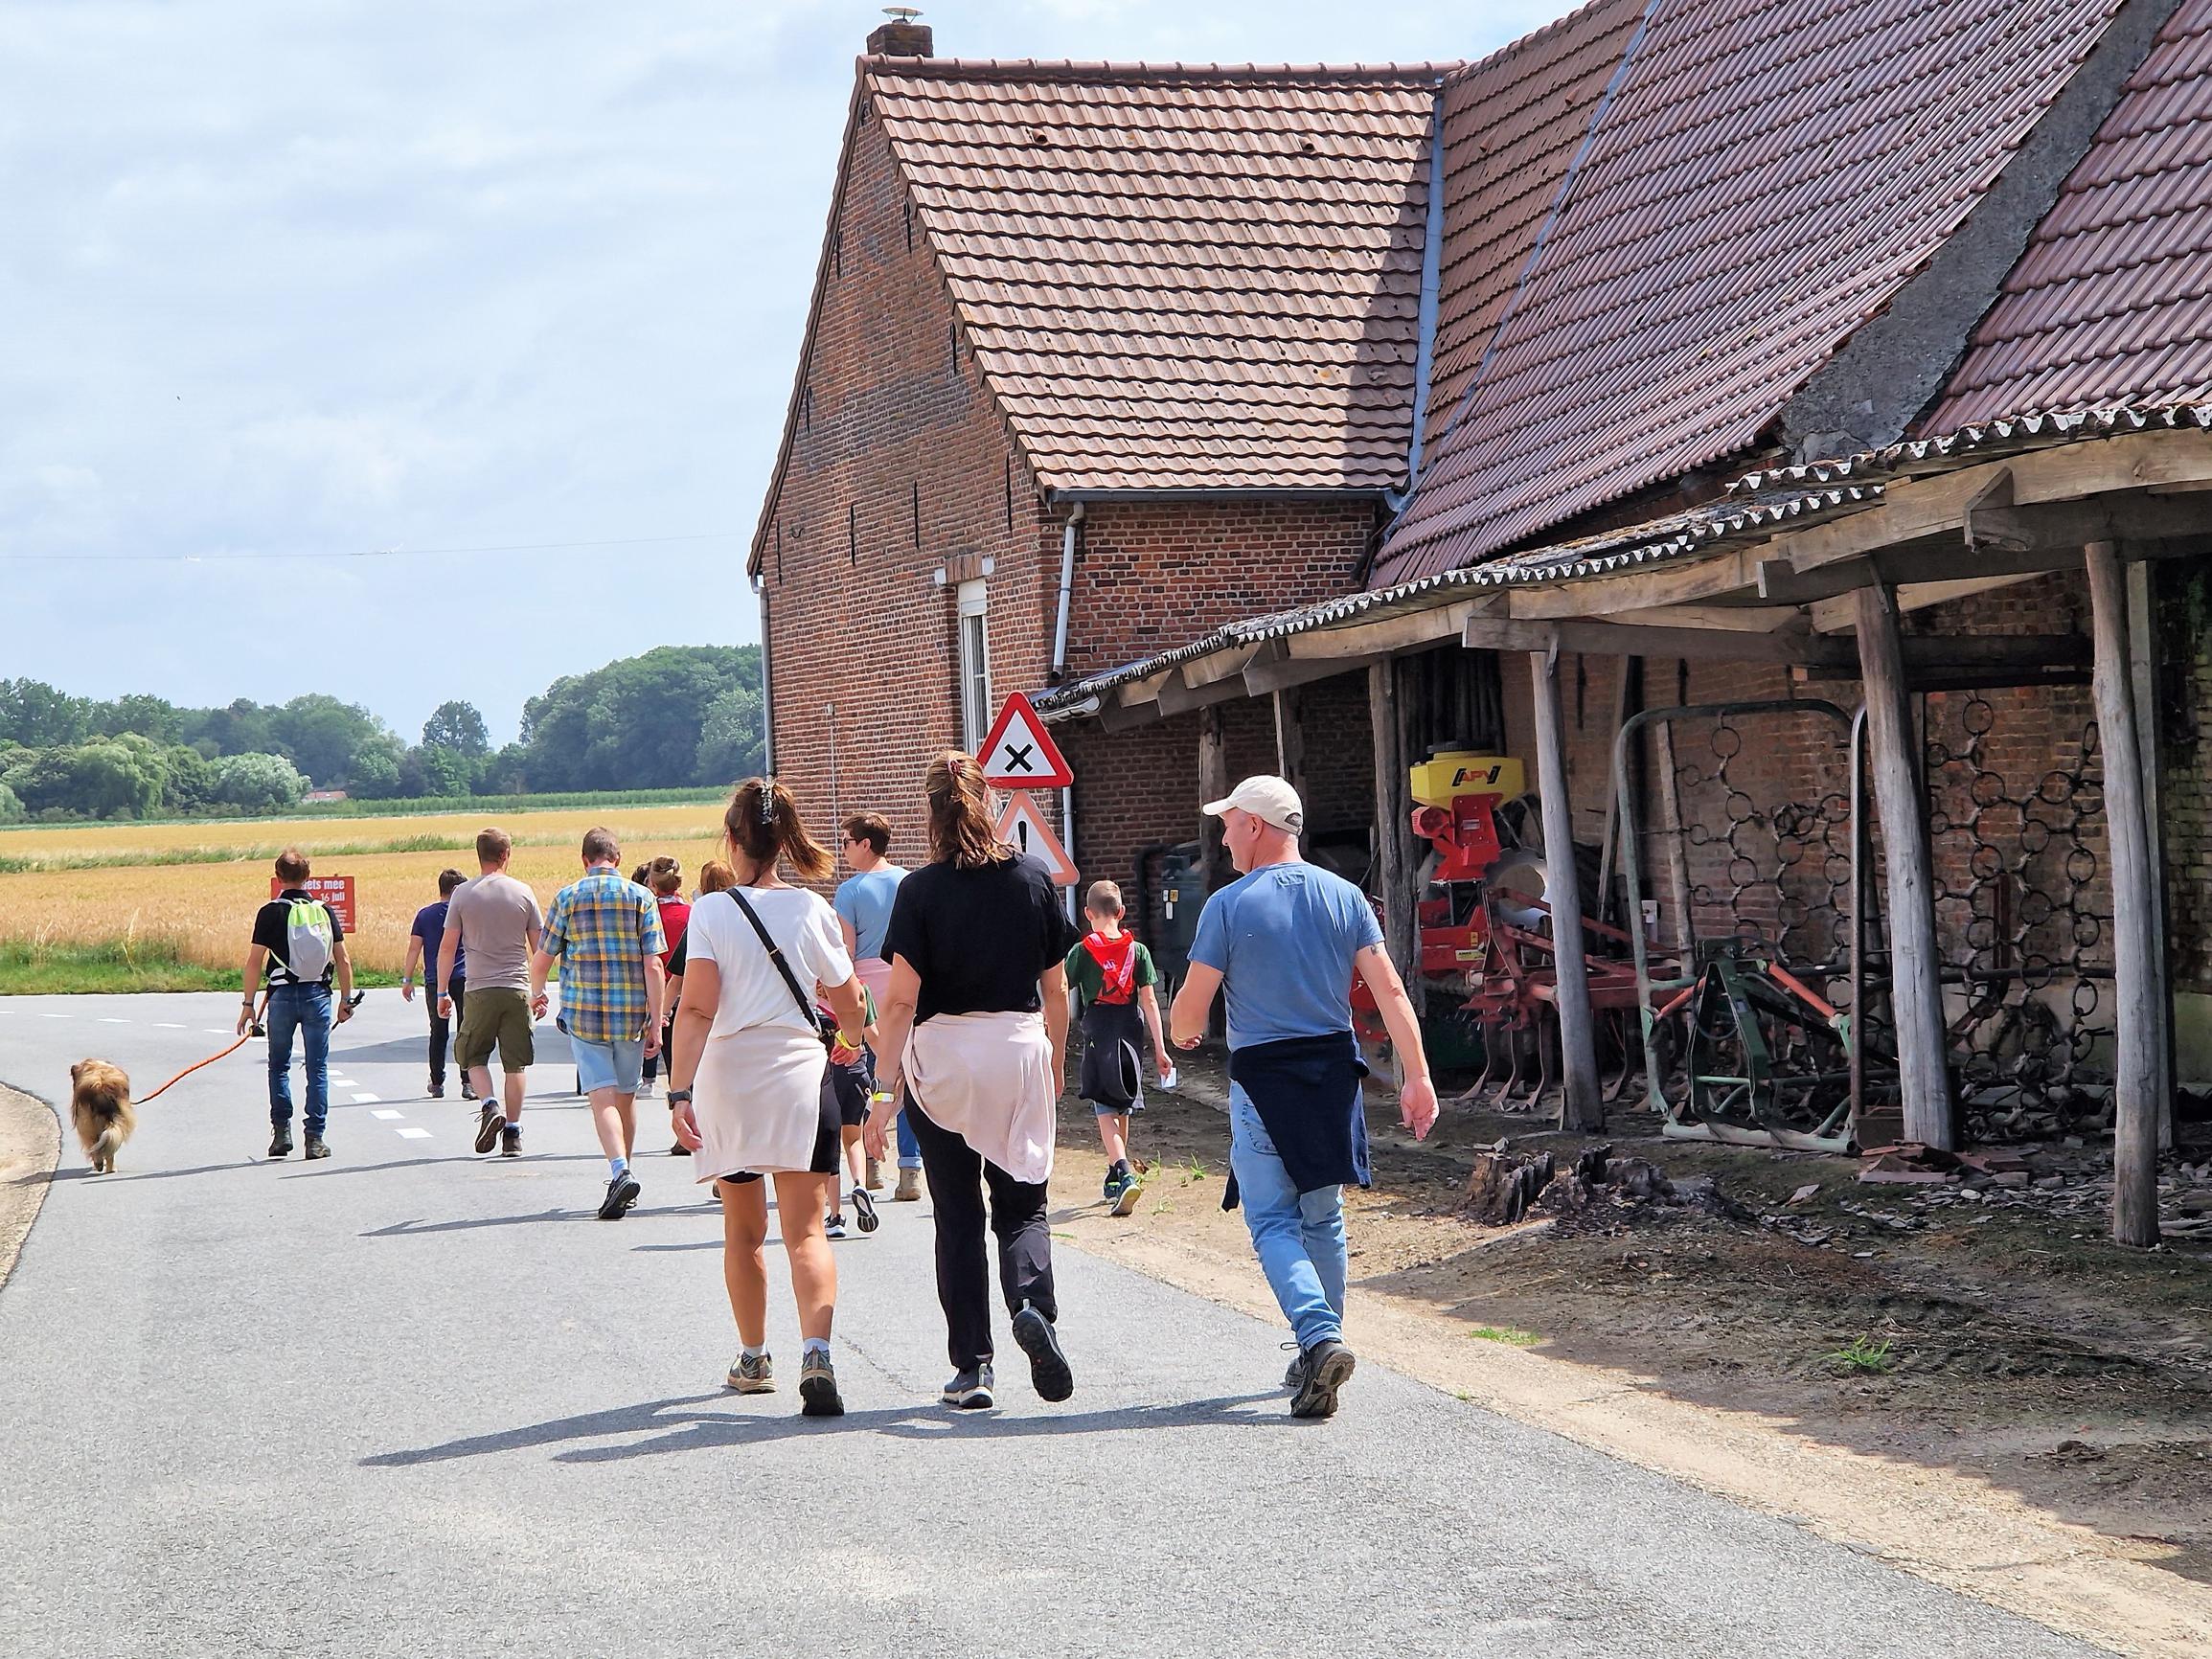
(776, 956)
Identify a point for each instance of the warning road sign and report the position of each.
(1024, 826)
(1019, 754)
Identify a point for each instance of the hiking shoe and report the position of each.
(818, 1395)
(510, 1140)
(1295, 1377)
(970, 1390)
(280, 1142)
(316, 1147)
(679, 1151)
(622, 1192)
(1322, 1370)
(875, 1182)
(864, 1209)
(752, 1373)
(489, 1121)
(909, 1187)
(1048, 1368)
(1125, 1201)
(834, 1225)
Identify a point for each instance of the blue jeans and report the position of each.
(1298, 1236)
(909, 1144)
(305, 1008)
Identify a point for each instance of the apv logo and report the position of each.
(1478, 773)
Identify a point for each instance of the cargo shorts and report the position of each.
(495, 1017)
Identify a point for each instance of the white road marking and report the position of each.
(387, 1115)
(412, 1133)
(43, 1015)
(210, 1030)
(164, 1025)
(366, 1100)
(110, 1020)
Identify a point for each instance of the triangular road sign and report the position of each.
(1019, 754)
(1024, 826)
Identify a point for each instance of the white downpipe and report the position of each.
(1067, 535)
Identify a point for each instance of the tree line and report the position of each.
(673, 716)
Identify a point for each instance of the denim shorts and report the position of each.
(613, 1065)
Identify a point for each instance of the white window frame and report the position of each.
(974, 654)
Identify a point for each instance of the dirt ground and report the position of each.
(1986, 1343)
(30, 1145)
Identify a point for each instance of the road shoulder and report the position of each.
(29, 1147)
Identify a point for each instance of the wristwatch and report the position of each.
(678, 1097)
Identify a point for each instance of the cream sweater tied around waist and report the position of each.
(988, 1078)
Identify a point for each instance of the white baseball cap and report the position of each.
(1270, 799)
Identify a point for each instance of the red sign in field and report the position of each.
(334, 890)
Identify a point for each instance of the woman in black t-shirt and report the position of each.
(976, 1026)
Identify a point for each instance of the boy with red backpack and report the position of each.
(1110, 980)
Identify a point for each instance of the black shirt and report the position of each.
(273, 932)
(978, 937)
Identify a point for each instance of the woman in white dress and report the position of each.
(748, 1080)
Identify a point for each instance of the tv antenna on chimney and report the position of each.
(902, 13)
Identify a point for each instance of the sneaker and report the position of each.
(909, 1189)
(818, 1395)
(969, 1390)
(1125, 1201)
(864, 1209)
(437, 1088)
(752, 1373)
(646, 1090)
(1115, 1180)
(622, 1192)
(1322, 1370)
(1295, 1377)
(316, 1147)
(834, 1225)
(491, 1118)
(874, 1175)
(679, 1151)
(510, 1140)
(281, 1141)
(1048, 1368)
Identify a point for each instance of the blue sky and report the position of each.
(287, 286)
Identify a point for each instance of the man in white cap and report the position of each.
(1282, 943)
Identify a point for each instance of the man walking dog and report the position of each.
(495, 921)
(606, 932)
(303, 946)
(1282, 943)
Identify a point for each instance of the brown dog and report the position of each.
(100, 1107)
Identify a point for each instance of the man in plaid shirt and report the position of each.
(605, 931)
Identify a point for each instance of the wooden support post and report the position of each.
(2136, 1104)
(1915, 991)
(1212, 785)
(2142, 681)
(1393, 829)
(1628, 672)
(1290, 743)
(1581, 1108)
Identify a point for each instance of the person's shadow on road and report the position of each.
(674, 1428)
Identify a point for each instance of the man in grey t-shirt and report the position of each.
(496, 921)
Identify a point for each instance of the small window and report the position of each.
(974, 665)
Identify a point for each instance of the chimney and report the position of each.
(903, 36)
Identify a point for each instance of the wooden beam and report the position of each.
(1220, 665)
(1735, 617)
(2066, 525)
(1838, 615)
(1916, 994)
(1390, 633)
(2135, 1105)
(1618, 639)
(1673, 581)
(1261, 678)
(1393, 823)
(1212, 785)
(1176, 697)
(2143, 685)
(1121, 716)
(1582, 1106)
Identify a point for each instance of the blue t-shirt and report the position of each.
(1284, 938)
(865, 901)
(430, 928)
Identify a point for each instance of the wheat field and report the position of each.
(123, 882)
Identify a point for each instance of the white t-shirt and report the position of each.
(805, 929)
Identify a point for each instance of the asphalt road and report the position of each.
(412, 1402)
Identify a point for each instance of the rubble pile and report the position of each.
(1598, 1193)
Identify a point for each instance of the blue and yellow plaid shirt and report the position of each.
(603, 928)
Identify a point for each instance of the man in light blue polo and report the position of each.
(1282, 944)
